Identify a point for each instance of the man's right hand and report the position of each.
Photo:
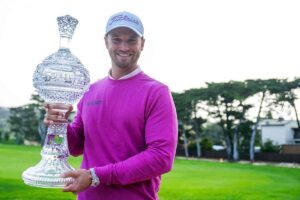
(56, 112)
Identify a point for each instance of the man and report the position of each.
(125, 126)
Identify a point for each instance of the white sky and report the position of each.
(188, 42)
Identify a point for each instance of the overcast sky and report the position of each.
(188, 42)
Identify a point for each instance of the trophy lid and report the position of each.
(61, 77)
(66, 25)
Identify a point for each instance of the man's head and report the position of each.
(124, 39)
(125, 19)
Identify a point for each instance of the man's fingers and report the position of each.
(48, 122)
(69, 183)
(72, 174)
(57, 109)
(56, 112)
(81, 181)
(57, 116)
(69, 111)
(70, 108)
(59, 106)
(46, 105)
(69, 188)
(49, 119)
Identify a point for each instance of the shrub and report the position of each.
(269, 146)
(206, 144)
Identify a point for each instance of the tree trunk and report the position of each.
(185, 144)
(198, 145)
(297, 118)
(42, 132)
(252, 141)
(228, 147)
(254, 130)
(235, 144)
(228, 142)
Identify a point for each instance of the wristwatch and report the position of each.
(95, 178)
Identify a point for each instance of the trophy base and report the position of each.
(44, 175)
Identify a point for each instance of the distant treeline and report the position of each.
(228, 106)
(218, 113)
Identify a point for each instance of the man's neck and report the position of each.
(117, 72)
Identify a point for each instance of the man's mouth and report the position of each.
(124, 54)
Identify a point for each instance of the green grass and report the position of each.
(189, 179)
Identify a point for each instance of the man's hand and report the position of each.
(56, 112)
(82, 179)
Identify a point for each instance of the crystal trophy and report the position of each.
(60, 78)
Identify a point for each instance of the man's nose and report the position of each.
(124, 46)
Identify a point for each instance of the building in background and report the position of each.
(282, 132)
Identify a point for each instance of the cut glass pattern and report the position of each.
(60, 78)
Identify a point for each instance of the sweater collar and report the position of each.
(131, 74)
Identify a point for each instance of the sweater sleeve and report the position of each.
(75, 134)
(161, 141)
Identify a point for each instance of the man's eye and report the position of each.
(116, 40)
(132, 41)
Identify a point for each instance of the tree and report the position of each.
(262, 87)
(183, 118)
(37, 103)
(189, 122)
(182, 131)
(17, 124)
(226, 104)
(195, 120)
(4, 128)
(286, 92)
(24, 120)
(213, 132)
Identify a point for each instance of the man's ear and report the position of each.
(143, 43)
(106, 41)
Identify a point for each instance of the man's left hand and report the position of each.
(82, 179)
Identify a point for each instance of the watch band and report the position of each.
(95, 178)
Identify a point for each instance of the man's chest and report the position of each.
(115, 107)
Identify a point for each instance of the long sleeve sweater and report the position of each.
(126, 130)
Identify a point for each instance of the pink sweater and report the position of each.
(127, 130)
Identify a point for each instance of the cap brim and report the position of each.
(126, 26)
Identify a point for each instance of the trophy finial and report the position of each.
(66, 25)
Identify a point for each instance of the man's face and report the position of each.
(124, 47)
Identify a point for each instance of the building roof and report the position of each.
(276, 122)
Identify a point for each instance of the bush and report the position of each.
(269, 146)
(206, 144)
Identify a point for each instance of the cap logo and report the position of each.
(125, 18)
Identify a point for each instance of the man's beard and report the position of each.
(131, 62)
(123, 64)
